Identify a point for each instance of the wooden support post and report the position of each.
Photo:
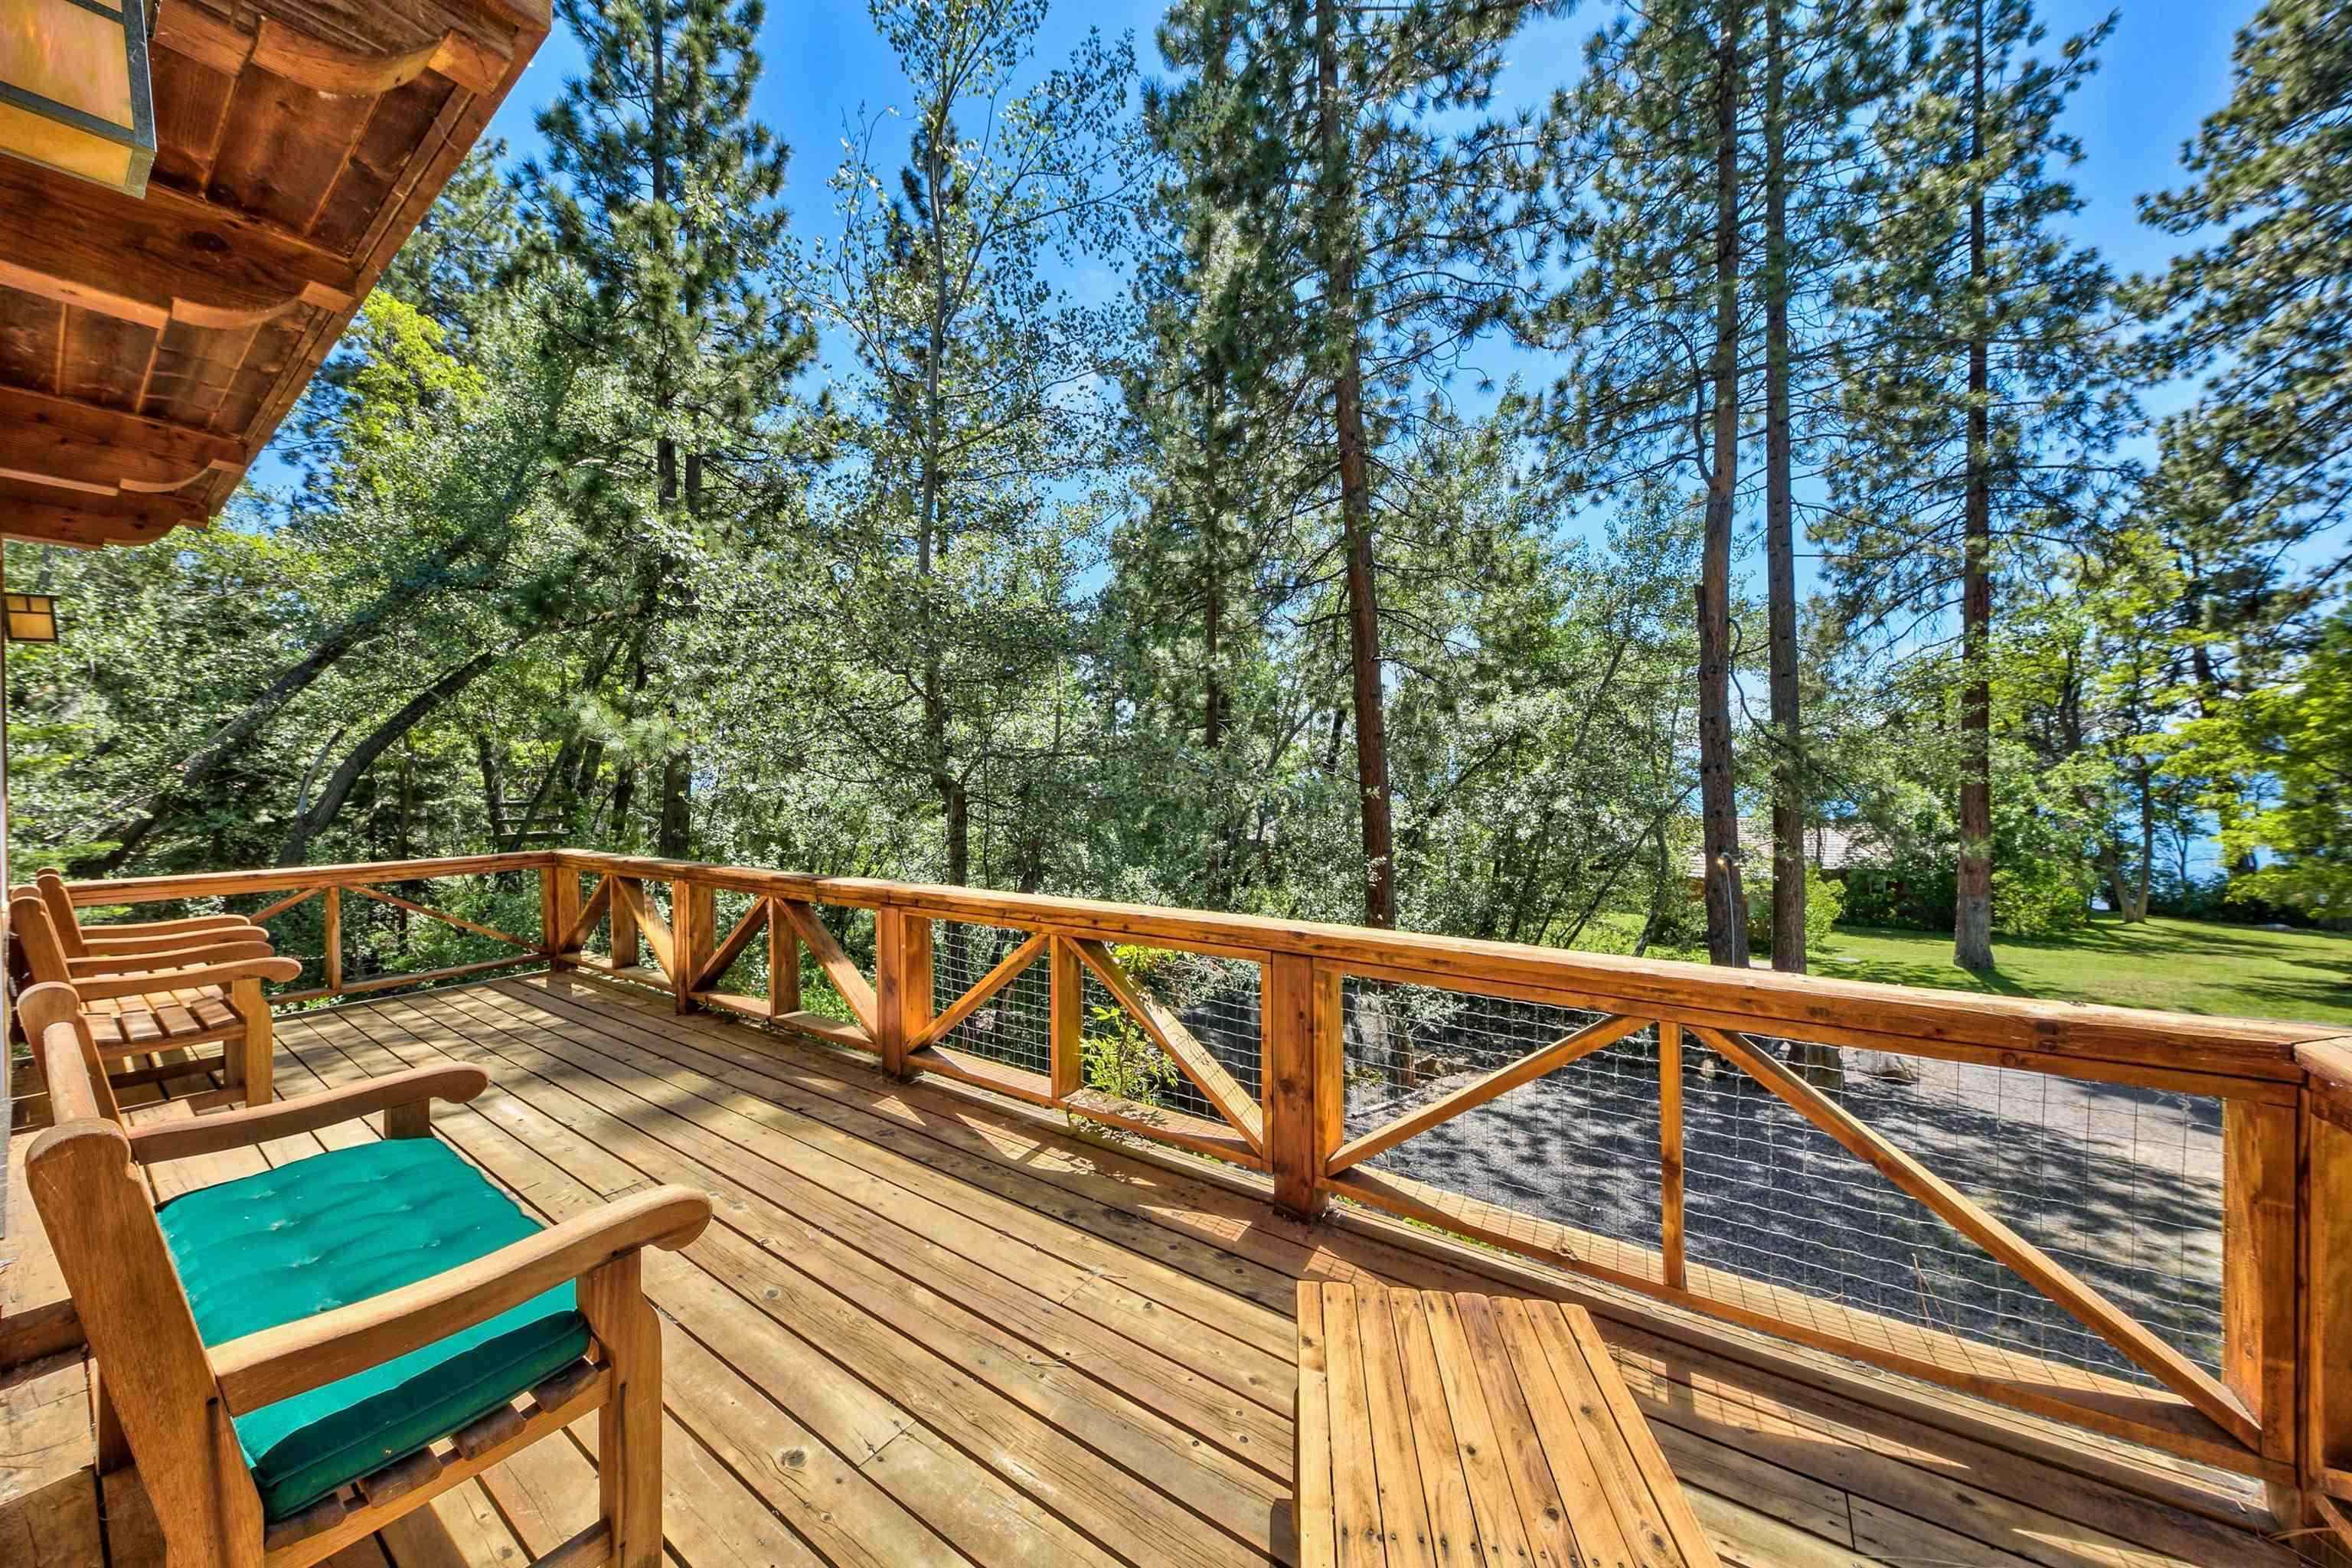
(1294, 1075)
(559, 911)
(629, 1428)
(783, 964)
(331, 955)
(110, 1448)
(902, 984)
(1670, 1154)
(624, 926)
(2326, 1325)
(249, 1056)
(693, 922)
(1067, 1019)
(2259, 1266)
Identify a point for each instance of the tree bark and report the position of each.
(1338, 240)
(1972, 899)
(677, 807)
(1726, 902)
(1780, 542)
(315, 820)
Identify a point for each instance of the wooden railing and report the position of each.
(1031, 996)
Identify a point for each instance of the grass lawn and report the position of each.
(2187, 967)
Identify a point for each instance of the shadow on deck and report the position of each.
(934, 1327)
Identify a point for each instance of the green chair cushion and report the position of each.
(339, 1227)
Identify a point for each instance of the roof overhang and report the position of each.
(148, 347)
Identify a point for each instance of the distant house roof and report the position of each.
(1829, 846)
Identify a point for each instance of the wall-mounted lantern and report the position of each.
(73, 89)
(32, 617)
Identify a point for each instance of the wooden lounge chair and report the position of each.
(159, 1005)
(134, 936)
(295, 1358)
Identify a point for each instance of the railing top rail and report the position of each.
(287, 878)
(1842, 1011)
(1652, 988)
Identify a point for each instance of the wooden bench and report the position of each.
(1435, 1427)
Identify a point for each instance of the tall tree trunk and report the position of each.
(1726, 902)
(1818, 1063)
(494, 804)
(1338, 240)
(1780, 531)
(2138, 912)
(1972, 900)
(677, 807)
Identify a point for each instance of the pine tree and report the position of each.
(1982, 407)
(1396, 240)
(2265, 311)
(659, 192)
(975, 397)
(1655, 322)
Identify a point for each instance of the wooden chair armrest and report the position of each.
(101, 942)
(276, 1363)
(278, 969)
(148, 961)
(259, 1124)
(139, 931)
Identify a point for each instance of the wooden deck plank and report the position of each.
(1021, 1200)
(1112, 1280)
(1033, 1421)
(953, 1495)
(1278, 1250)
(842, 1394)
(874, 1221)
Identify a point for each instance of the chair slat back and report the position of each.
(52, 889)
(127, 1291)
(76, 1076)
(36, 938)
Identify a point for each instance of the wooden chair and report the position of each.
(456, 1333)
(130, 936)
(163, 1004)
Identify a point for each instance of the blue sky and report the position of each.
(2166, 66)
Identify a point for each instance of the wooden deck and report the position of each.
(933, 1327)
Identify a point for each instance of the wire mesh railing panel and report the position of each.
(1014, 1026)
(1215, 999)
(1578, 1146)
(2122, 1185)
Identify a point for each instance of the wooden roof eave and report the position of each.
(150, 347)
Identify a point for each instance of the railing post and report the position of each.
(2259, 1268)
(1671, 1252)
(624, 926)
(330, 957)
(1304, 1081)
(784, 963)
(559, 911)
(693, 917)
(1067, 1021)
(902, 983)
(2326, 1326)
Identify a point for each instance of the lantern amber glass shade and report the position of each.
(74, 91)
(32, 617)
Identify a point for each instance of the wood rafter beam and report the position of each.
(1963, 1213)
(78, 445)
(87, 528)
(152, 263)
